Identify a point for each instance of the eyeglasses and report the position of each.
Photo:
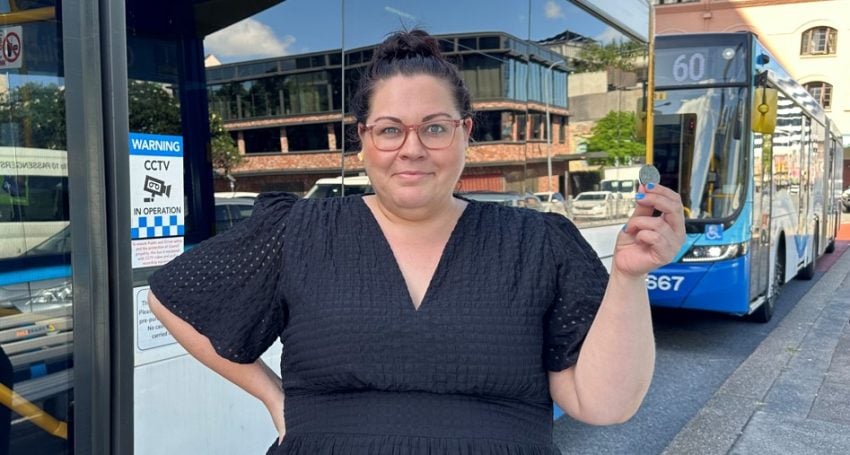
(391, 136)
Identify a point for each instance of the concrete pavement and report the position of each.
(792, 395)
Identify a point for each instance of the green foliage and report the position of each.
(224, 153)
(33, 115)
(153, 108)
(614, 55)
(614, 134)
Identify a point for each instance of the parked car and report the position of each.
(553, 202)
(506, 198)
(845, 199)
(231, 208)
(332, 187)
(599, 204)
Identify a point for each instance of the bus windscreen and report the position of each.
(699, 149)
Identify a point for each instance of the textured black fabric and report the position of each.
(363, 370)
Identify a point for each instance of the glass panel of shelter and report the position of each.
(595, 145)
(36, 297)
(278, 94)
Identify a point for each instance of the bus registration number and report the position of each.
(664, 282)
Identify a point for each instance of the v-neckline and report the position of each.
(388, 250)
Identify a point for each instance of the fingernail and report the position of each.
(625, 226)
(650, 185)
(640, 196)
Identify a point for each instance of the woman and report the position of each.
(415, 321)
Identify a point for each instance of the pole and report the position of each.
(548, 96)
(650, 90)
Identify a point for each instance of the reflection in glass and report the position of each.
(699, 149)
(36, 297)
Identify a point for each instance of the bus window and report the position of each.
(699, 149)
(33, 207)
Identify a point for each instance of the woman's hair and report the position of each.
(409, 53)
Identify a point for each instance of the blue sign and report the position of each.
(156, 145)
(713, 231)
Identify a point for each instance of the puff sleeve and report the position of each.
(580, 284)
(225, 287)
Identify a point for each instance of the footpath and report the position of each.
(792, 395)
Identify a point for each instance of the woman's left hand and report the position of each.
(648, 242)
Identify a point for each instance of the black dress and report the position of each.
(364, 372)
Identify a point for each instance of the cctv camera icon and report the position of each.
(156, 187)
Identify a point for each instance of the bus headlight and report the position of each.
(711, 253)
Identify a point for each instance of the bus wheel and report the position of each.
(765, 311)
(830, 248)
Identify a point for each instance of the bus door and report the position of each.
(762, 192)
(804, 225)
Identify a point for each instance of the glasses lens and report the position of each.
(437, 134)
(388, 136)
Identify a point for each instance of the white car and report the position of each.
(598, 204)
(231, 208)
(332, 187)
(552, 201)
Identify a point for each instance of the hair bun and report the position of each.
(405, 45)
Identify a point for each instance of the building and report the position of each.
(286, 114)
(811, 38)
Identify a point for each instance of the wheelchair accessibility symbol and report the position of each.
(713, 231)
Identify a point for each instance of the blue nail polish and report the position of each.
(640, 196)
(650, 185)
(625, 226)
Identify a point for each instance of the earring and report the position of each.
(360, 156)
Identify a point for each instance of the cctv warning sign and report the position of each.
(156, 186)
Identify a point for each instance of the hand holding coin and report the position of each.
(656, 230)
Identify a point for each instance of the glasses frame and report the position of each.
(408, 128)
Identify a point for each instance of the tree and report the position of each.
(33, 115)
(153, 108)
(614, 55)
(224, 153)
(614, 134)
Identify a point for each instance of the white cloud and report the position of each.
(608, 35)
(247, 38)
(553, 10)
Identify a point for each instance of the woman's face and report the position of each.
(414, 176)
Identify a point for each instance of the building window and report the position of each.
(818, 40)
(308, 138)
(562, 130)
(821, 91)
(262, 140)
(488, 127)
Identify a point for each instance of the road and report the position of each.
(696, 352)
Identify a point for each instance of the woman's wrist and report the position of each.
(624, 279)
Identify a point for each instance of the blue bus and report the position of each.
(757, 164)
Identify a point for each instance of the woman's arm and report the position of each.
(614, 368)
(255, 378)
(615, 365)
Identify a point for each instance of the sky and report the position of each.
(301, 26)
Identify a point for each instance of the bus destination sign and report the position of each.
(699, 66)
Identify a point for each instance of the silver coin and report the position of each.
(649, 174)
